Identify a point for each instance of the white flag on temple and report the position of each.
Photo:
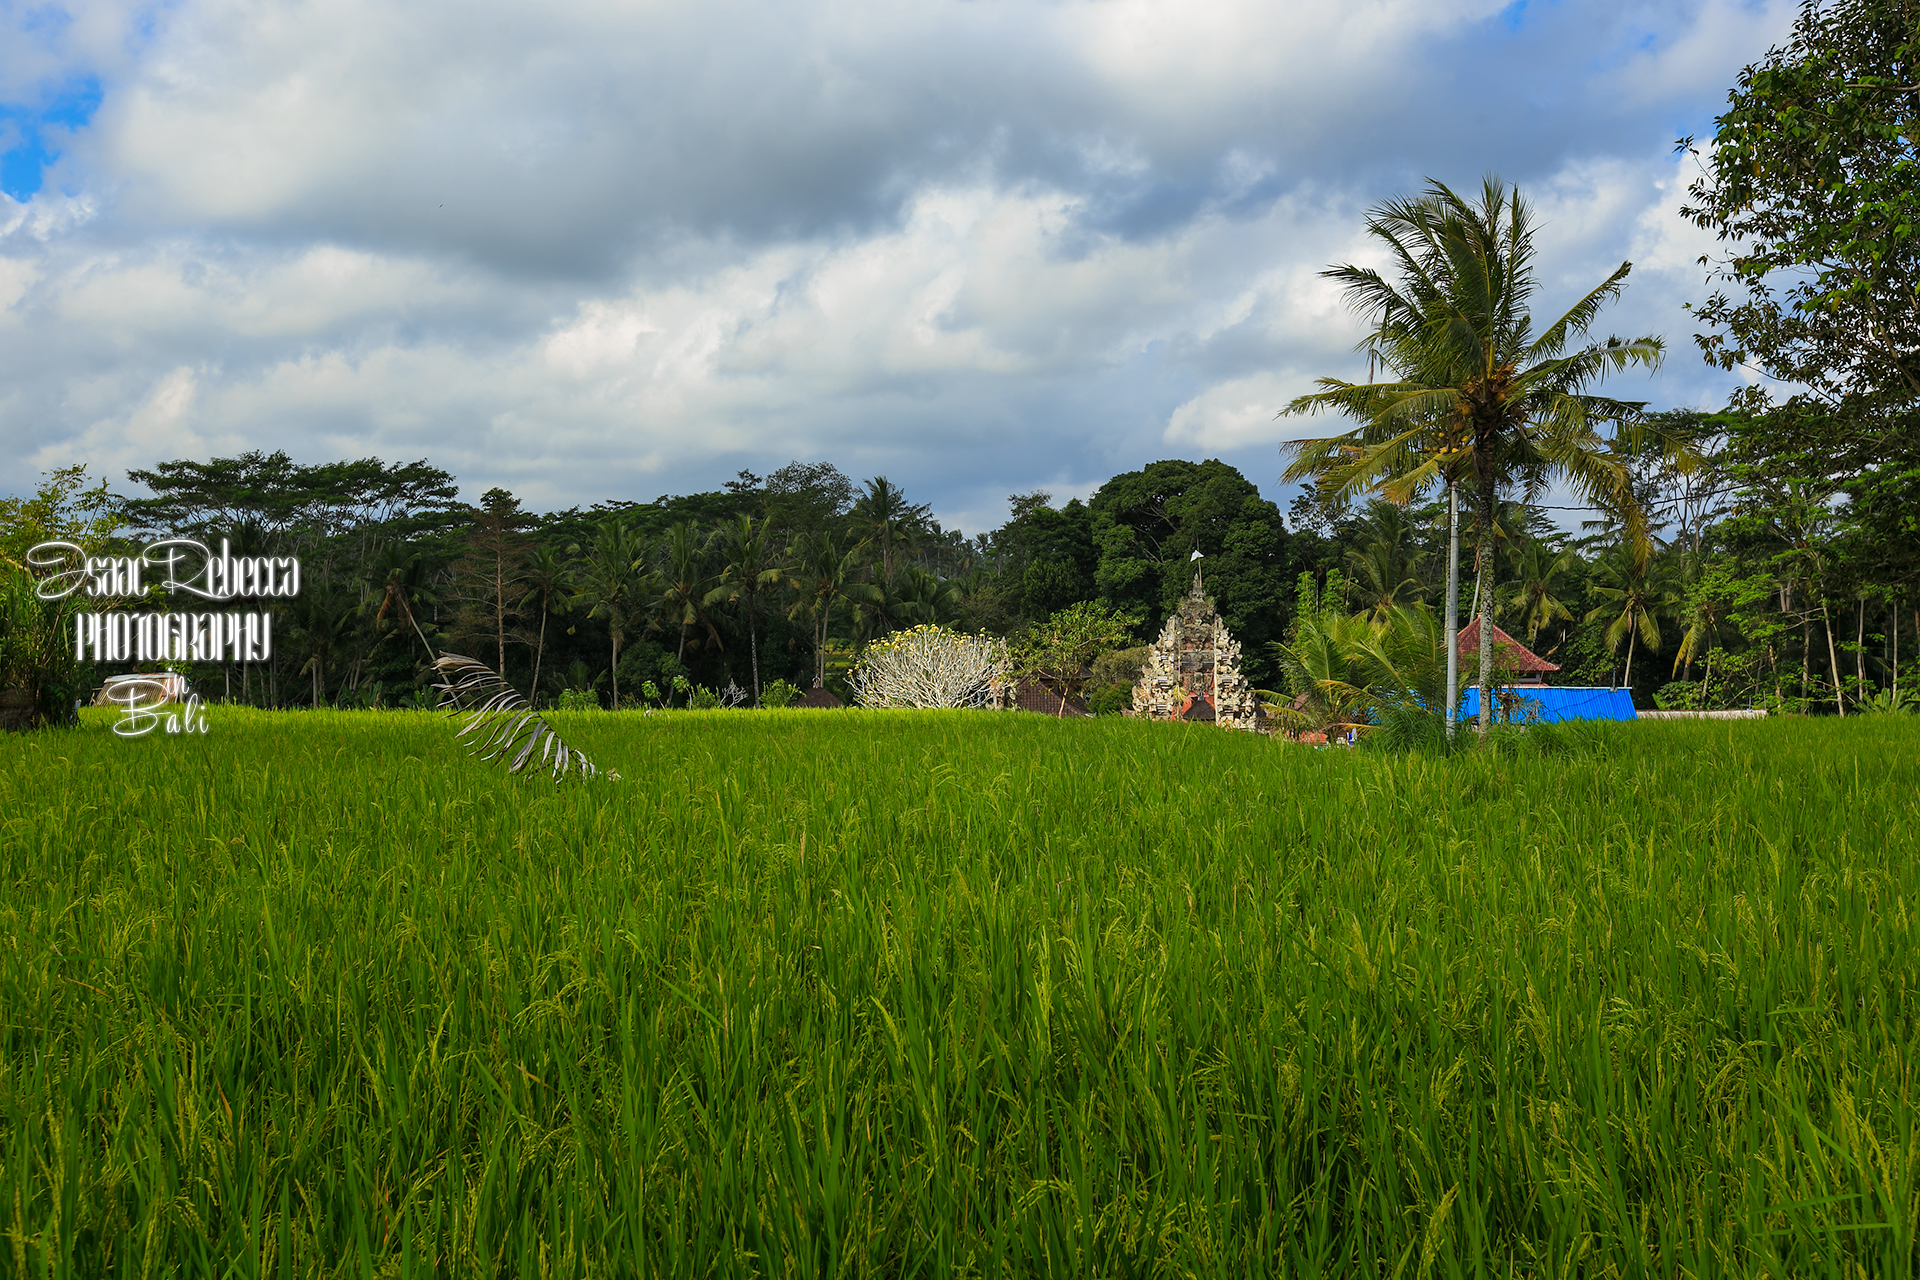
(1194, 556)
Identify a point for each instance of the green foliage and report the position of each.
(1059, 651)
(1813, 181)
(1353, 670)
(777, 694)
(1112, 677)
(578, 700)
(849, 995)
(284, 499)
(65, 508)
(36, 648)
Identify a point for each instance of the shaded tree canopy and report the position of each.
(1813, 182)
(1146, 525)
(279, 496)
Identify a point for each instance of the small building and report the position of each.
(1522, 694)
(1193, 671)
(819, 698)
(1029, 694)
(1513, 662)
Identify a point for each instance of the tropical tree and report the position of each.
(1631, 604)
(1477, 397)
(549, 579)
(822, 571)
(1530, 593)
(929, 666)
(926, 597)
(1059, 652)
(686, 583)
(1385, 562)
(883, 516)
(614, 583)
(398, 576)
(750, 565)
(1809, 184)
(489, 579)
(322, 628)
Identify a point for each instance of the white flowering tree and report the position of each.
(929, 666)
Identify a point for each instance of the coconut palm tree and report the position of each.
(614, 583)
(1478, 399)
(883, 516)
(1632, 603)
(750, 565)
(323, 619)
(686, 583)
(822, 572)
(1384, 564)
(1537, 570)
(550, 583)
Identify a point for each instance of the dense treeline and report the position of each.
(781, 578)
(1783, 572)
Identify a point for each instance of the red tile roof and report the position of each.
(1508, 652)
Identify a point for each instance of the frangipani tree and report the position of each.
(1477, 397)
(929, 666)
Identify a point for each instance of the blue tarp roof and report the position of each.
(1564, 702)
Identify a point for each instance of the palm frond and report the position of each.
(501, 723)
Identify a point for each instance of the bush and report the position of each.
(1110, 699)
(36, 652)
(1679, 695)
(778, 693)
(578, 700)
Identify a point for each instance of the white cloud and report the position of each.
(601, 249)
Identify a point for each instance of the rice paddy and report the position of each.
(932, 994)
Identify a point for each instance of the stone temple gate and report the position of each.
(1193, 672)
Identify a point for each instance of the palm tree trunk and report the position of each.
(616, 668)
(1483, 595)
(1633, 634)
(1453, 605)
(1833, 658)
(753, 651)
(539, 650)
(1860, 647)
(820, 652)
(500, 609)
(1806, 654)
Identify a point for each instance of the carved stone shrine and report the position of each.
(1193, 671)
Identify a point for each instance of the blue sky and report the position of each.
(29, 134)
(592, 250)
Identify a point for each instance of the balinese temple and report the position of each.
(1193, 671)
(1513, 662)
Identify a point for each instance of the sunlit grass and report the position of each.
(957, 993)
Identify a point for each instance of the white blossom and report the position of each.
(929, 666)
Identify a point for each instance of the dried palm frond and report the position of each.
(503, 725)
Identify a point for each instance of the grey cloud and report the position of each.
(610, 251)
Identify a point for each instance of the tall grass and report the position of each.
(920, 994)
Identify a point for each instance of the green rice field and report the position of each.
(929, 994)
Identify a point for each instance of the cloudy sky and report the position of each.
(591, 250)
